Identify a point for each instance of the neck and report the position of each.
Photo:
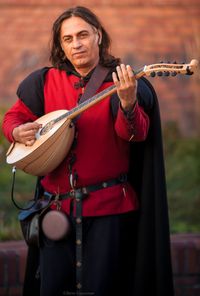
(83, 71)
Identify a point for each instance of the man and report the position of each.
(119, 238)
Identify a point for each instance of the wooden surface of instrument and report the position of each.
(47, 151)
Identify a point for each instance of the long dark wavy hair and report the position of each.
(57, 56)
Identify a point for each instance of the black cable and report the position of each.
(12, 194)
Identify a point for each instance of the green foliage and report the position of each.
(24, 191)
(182, 157)
(9, 226)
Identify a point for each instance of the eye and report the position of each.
(83, 35)
(67, 39)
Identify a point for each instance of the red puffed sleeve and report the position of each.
(18, 114)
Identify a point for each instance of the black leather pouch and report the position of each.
(30, 221)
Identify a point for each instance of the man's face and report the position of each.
(80, 43)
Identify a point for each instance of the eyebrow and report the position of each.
(80, 32)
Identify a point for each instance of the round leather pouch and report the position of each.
(55, 225)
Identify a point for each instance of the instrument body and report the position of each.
(48, 150)
(54, 140)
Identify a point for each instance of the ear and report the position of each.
(99, 37)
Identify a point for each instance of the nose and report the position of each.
(76, 43)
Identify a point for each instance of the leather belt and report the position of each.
(79, 194)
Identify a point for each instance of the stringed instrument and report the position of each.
(54, 139)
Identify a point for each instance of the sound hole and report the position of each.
(47, 127)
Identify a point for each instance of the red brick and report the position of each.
(192, 291)
(15, 291)
(101, 2)
(186, 280)
(22, 253)
(3, 291)
(12, 267)
(2, 268)
(192, 259)
(12, 263)
(180, 252)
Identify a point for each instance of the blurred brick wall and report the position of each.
(186, 264)
(143, 32)
(185, 260)
(12, 267)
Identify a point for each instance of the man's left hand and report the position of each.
(126, 86)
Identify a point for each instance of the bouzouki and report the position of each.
(54, 139)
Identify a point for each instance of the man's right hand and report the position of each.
(25, 133)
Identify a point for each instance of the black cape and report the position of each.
(153, 275)
(153, 271)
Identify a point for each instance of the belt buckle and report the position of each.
(77, 193)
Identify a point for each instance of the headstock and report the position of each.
(167, 69)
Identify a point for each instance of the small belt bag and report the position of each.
(54, 223)
(30, 220)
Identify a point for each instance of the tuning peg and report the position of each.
(188, 71)
(166, 73)
(174, 73)
(153, 74)
(159, 73)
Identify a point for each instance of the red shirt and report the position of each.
(102, 148)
